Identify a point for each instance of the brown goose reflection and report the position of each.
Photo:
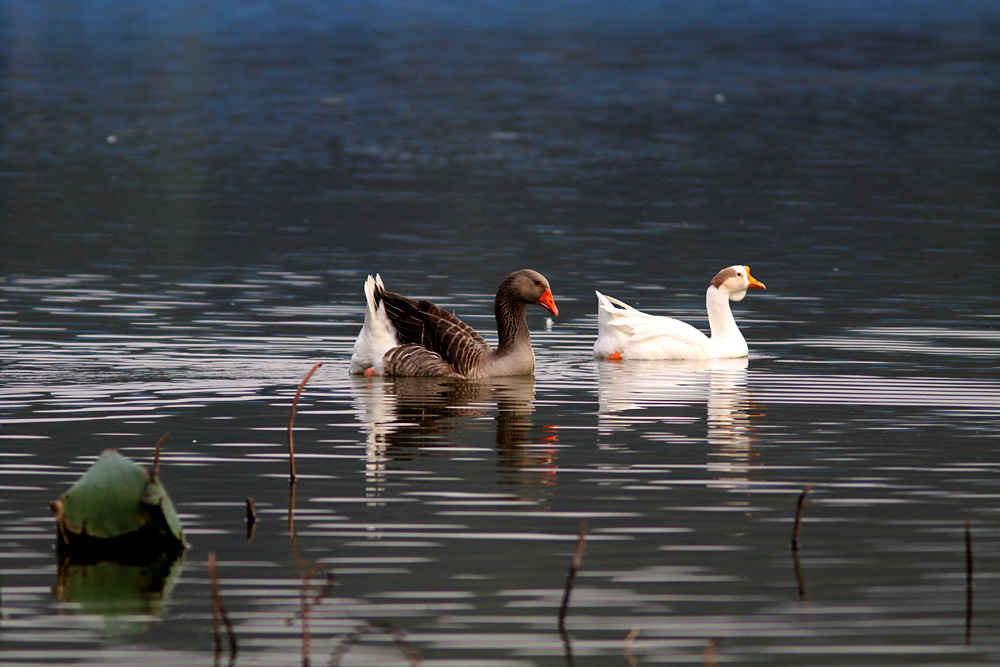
(721, 384)
(405, 415)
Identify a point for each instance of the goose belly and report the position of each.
(665, 347)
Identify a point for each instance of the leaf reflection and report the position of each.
(126, 597)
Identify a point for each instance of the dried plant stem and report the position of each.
(402, 643)
(251, 511)
(156, 455)
(219, 614)
(291, 419)
(251, 518)
(708, 655)
(799, 578)
(581, 540)
(627, 648)
(296, 553)
(306, 604)
(798, 516)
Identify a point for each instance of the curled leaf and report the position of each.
(118, 506)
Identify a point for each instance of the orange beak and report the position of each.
(754, 283)
(548, 303)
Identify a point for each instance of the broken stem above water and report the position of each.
(156, 455)
(291, 419)
(798, 516)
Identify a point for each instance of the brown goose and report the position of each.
(402, 336)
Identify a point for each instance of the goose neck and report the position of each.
(720, 316)
(512, 329)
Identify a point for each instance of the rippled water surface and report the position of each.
(191, 197)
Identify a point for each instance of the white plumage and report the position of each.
(378, 335)
(626, 333)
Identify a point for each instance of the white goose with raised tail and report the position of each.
(626, 333)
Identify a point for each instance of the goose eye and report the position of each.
(538, 283)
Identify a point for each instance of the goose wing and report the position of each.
(457, 343)
(404, 313)
(426, 324)
(413, 360)
(637, 335)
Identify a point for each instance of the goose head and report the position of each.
(734, 281)
(531, 287)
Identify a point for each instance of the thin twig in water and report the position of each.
(305, 605)
(251, 518)
(709, 653)
(219, 609)
(156, 455)
(627, 649)
(251, 511)
(574, 566)
(798, 515)
(291, 419)
(968, 581)
(368, 627)
(799, 578)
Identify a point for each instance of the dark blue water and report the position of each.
(192, 194)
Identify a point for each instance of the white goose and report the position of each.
(626, 333)
(405, 337)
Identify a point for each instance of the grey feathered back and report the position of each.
(412, 360)
(423, 324)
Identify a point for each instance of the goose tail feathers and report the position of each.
(378, 335)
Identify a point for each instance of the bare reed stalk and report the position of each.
(251, 511)
(581, 540)
(291, 509)
(306, 604)
(219, 609)
(708, 655)
(251, 518)
(406, 649)
(304, 611)
(799, 578)
(291, 419)
(968, 552)
(156, 455)
(968, 581)
(798, 516)
(627, 648)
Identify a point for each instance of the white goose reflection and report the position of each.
(721, 384)
(401, 415)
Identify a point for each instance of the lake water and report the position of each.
(192, 195)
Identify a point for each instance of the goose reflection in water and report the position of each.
(721, 384)
(407, 417)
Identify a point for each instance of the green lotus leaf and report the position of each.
(114, 499)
